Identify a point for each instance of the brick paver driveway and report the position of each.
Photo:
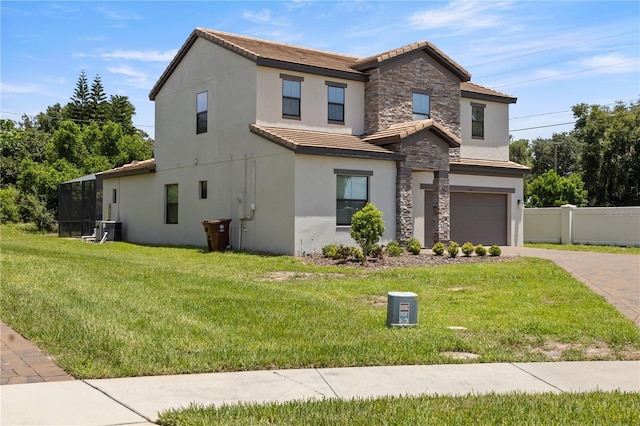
(616, 277)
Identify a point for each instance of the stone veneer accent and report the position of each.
(388, 92)
(388, 101)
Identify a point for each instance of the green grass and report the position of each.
(586, 247)
(597, 408)
(118, 310)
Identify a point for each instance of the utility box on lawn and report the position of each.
(402, 309)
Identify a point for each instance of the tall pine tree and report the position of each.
(98, 105)
(78, 107)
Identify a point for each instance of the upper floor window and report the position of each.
(352, 194)
(477, 120)
(201, 112)
(291, 95)
(421, 106)
(335, 96)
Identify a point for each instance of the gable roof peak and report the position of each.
(430, 49)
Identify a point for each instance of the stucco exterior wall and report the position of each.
(230, 82)
(495, 144)
(313, 103)
(315, 199)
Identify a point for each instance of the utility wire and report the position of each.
(552, 63)
(76, 120)
(551, 49)
(568, 73)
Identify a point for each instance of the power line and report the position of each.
(561, 112)
(552, 63)
(568, 73)
(552, 49)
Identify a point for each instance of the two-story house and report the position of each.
(288, 142)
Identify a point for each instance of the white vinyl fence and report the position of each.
(619, 226)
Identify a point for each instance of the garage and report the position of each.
(477, 217)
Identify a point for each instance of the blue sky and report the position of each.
(550, 55)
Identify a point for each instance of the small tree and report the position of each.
(367, 227)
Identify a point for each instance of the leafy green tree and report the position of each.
(611, 154)
(551, 190)
(68, 144)
(520, 152)
(561, 154)
(132, 148)
(43, 180)
(50, 120)
(9, 204)
(17, 144)
(367, 227)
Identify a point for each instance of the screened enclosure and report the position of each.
(79, 206)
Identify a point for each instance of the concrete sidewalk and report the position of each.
(139, 400)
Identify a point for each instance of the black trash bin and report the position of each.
(217, 234)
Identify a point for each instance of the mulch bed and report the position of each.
(402, 261)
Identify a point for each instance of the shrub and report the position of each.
(438, 249)
(453, 249)
(377, 252)
(9, 204)
(34, 209)
(367, 227)
(330, 250)
(357, 253)
(414, 246)
(480, 250)
(394, 249)
(467, 249)
(344, 252)
(494, 250)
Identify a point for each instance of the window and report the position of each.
(352, 193)
(477, 121)
(201, 112)
(203, 189)
(291, 89)
(335, 95)
(114, 196)
(421, 106)
(171, 197)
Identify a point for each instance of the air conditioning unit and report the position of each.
(111, 227)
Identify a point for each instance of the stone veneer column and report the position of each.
(441, 207)
(404, 203)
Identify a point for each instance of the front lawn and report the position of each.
(596, 408)
(119, 309)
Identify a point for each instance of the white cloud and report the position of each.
(140, 55)
(261, 17)
(461, 16)
(19, 88)
(126, 70)
(611, 64)
(264, 16)
(118, 16)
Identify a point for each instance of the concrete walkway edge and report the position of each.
(139, 400)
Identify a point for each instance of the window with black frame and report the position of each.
(352, 194)
(171, 198)
(201, 112)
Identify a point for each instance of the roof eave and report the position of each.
(474, 169)
(273, 63)
(486, 97)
